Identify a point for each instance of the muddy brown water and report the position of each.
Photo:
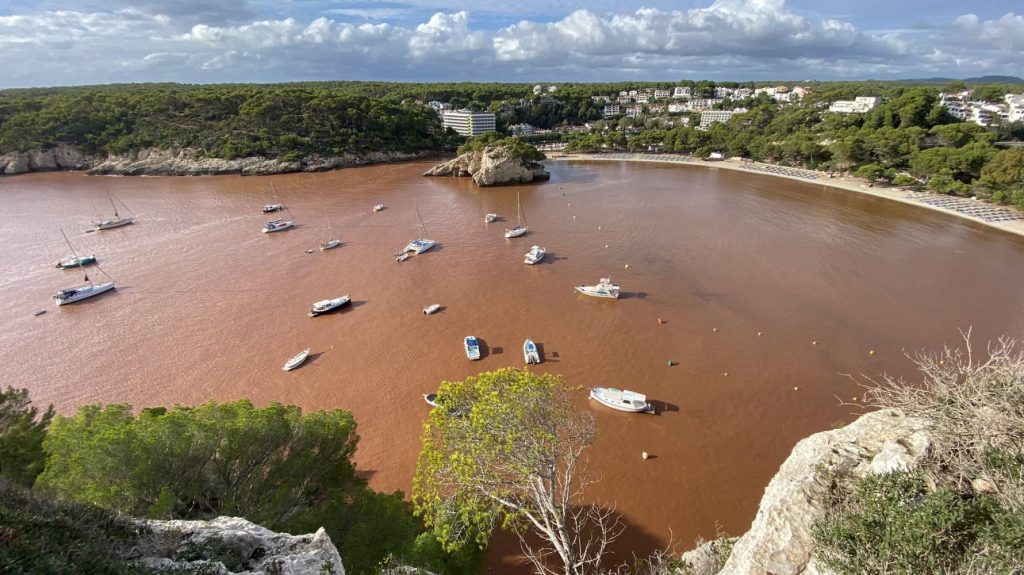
(209, 308)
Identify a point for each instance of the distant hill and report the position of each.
(978, 80)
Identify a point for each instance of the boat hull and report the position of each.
(69, 263)
(330, 244)
(110, 224)
(431, 308)
(591, 291)
(530, 353)
(515, 232)
(419, 246)
(535, 255)
(81, 293)
(296, 361)
(273, 208)
(267, 229)
(472, 348)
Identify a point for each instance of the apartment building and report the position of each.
(467, 122)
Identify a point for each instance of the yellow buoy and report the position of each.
(569, 205)
(796, 389)
(815, 342)
(606, 246)
(714, 329)
(726, 374)
(644, 455)
(758, 333)
(871, 352)
(598, 227)
(627, 266)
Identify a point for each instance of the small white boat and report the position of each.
(39, 312)
(277, 225)
(272, 208)
(535, 254)
(328, 243)
(71, 295)
(327, 305)
(622, 399)
(431, 308)
(521, 226)
(488, 218)
(117, 221)
(431, 399)
(75, 261)
(530, 353)
(401, 256)
(296, 360)
(472, 347)
(378, 207)
(604, 288)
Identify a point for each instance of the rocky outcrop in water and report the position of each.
(492, 166)
(181, 162)
(229, 545)
(779, 540)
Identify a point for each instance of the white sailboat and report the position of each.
(521, 226)
(296, 360)
(622, 399)
(323, 306)
(71, 295)
(280, 223)
(423, 244)
(277, 206)
(117, 220)
(329, 242)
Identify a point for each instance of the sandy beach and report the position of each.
(1002, 218)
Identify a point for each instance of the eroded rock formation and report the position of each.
(492, 166)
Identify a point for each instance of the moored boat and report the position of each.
(328, 305)
(328, 243)
(296, 360)
(419, 246)
(535, 254)
(277, 225)
(488, 218)
(431, 308)
(272, 208)
(520, 227)
(604, 288)
(75, 261)
(622, 399)
(378, 207)
(530, 353)
(115, 222)
(401, 256)
(472, 347)
(71, 295)
(431, 399)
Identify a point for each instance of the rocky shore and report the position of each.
(182, 162)
(492, 166)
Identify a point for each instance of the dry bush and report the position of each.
(977, 407)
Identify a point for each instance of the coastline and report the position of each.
(942, 203)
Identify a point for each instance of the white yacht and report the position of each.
(423, 244)
(296, 360)
(327, 305)
(277, 225)
(117, 221)
(604, 288)
(535, 254)
(71, 295)
(622, 399)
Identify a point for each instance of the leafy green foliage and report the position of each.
(517, 148)
(893, 524)
(265, 464)
(22, 431)
(38, 536)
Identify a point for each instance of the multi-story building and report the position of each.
(662, 94)
(467, 122)
(858, 105)
(680, 92)
(611, 110)
(708, 117)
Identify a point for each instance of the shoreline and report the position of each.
(942, 203)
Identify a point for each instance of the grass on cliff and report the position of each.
(517, 148)
(962, 510)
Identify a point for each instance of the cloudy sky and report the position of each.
(63, 42)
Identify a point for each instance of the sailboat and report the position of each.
(521, 226)
(328, 243)
(71, 295)
(118, 221)
(280, 223)
(277, 206)
(421, 245)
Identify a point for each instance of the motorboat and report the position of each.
(431, 308)
(272, 208)
(401, 256)
(520, 227)
(472, 347)
(419, 246)
(296, 360)
(604, 288)
(530, 353)
(378, 207)
(71, 295)
(622, 399)
(431, 399)
(535, 254)
(488, 218)
(327, 305)
(75, 262)
(277, 225)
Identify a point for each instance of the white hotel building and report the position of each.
(468, 123)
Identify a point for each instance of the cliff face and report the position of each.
(180, 162)
(229, 545)
(779, 540)
(492, 166)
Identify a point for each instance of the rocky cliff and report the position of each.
(229, 545)
(491, 166)
(779, 540)
(180, 162)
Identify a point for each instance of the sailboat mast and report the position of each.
(113, 205)
(420, 220)
(75, 254)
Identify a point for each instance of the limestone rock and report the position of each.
(779, 540)
(232, 545)
(492, 166)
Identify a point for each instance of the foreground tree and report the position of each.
(505, 448)
(22, 431)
